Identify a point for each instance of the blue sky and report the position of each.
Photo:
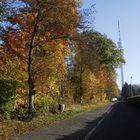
(106, 19)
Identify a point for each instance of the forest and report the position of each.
(50, 55)
(130, 90)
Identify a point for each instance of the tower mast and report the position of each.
(120, 46)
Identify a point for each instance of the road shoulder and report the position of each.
(75, 128)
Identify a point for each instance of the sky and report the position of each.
(108, 12)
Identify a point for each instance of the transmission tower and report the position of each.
(120, 46)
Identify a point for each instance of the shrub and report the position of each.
(7, 97)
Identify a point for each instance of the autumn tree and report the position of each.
(42, 44)
(34, 25)
(97, 54)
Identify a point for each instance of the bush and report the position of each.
(7, 97)
(20, 113)
(46, 104)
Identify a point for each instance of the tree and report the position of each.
(35, 24)
(2, 7)
(99, 55)
(125, 90)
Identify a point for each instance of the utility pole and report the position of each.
(131, 86)
(120, 46)
(131, 80)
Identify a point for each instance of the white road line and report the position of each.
(94, 128)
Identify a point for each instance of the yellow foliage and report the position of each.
(90, 84)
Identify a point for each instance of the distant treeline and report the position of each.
(129, 90)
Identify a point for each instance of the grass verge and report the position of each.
(11, 128)
(134, 100)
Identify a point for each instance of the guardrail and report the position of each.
(134, 99)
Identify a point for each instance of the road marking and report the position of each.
(16, 138)
(94, 128)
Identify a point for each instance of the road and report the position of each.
(75, 128)
(122, 123)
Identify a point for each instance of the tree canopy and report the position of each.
(48, 57)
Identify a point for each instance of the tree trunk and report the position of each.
(81, 88)
(31, 84)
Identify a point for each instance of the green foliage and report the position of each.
(106, 51)
(19, 113)
(96, 59)
(7, 96)
(43, 104)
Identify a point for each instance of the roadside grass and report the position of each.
(11, 128)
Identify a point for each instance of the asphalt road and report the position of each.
(122, 123)
(75, 128)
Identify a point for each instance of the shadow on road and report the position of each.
(81, 134)
(123, 123)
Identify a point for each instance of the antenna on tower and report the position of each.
(119, 31)
(120, 42)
